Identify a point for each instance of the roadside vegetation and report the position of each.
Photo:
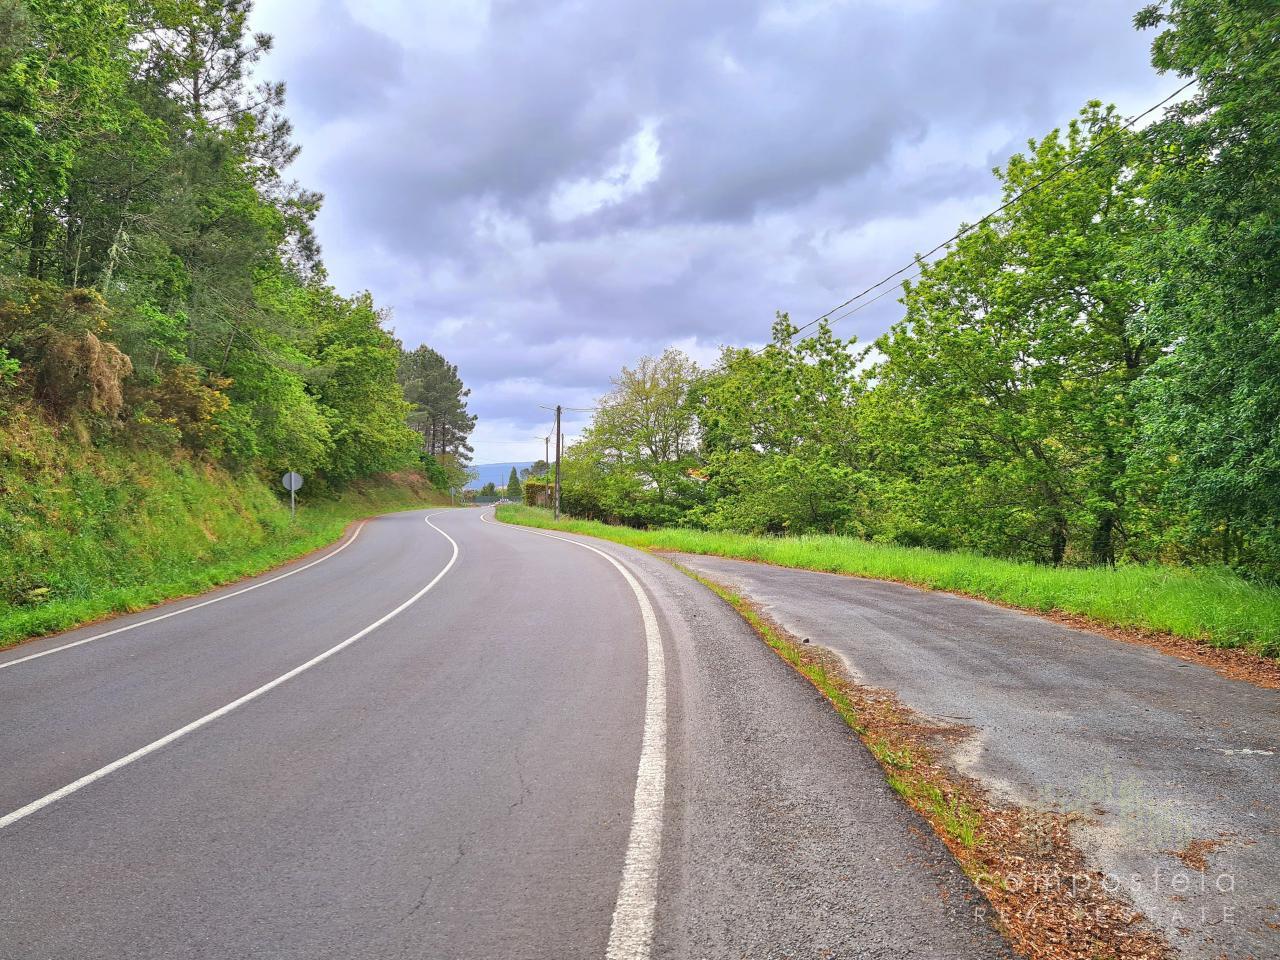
(161, 286)
(169, 341)
(1213, 606)
(1091, 376)
(1084, 388)
(89, 532)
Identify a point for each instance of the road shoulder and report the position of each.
(782, 837)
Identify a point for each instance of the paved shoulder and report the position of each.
(782, 838)
(1155, 753)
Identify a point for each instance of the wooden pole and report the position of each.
(557, 494)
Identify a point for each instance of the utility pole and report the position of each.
(557, 494)
(546, 449)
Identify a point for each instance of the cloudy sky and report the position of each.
(546, 190)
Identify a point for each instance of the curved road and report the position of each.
(448, 738)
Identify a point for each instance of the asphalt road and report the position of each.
(1151, 753)
(447, 738)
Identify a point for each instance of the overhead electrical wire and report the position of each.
(918, 262)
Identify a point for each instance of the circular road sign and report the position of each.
(292, 481)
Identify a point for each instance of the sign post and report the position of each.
(293, 483)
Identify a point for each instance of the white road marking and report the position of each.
(173, 613)
(631, 933)
(208, 718)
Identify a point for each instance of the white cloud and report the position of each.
(639, 164)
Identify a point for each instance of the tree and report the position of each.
(439, 398)
(142, 187)
(1011, 378)
(358, 391)
(489, 490)
(780, 437)
(514, 491)
(64, 73)
(1212, 407)
(633, 461)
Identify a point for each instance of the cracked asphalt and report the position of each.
(1153, 753)
(456, 784)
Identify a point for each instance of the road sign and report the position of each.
(293, 483)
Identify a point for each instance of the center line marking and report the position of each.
(208, 718)
(634, 915)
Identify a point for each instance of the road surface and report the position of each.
(1154, 754)
(449, 738)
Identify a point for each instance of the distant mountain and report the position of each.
(496, 473)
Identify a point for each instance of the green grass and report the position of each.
(86, 532)
(1206, 605)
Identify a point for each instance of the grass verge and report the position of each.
(1205, 606)
(176, 531)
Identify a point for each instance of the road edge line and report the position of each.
(635, 911)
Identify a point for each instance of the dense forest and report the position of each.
(1090, 376)
(161, 285)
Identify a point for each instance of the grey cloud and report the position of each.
(804, 148)
(346, 67)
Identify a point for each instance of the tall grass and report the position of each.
(88, 531)
(1208, 605)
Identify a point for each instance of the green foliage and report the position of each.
(358, 393)
(441, 474)
(439, 403)
(780, 437)
(9, 367)
(158, 275)
(1007, 387)
(1211, 409)
(1091, 376)
(633, 463)
(64, 69)
(514, 491)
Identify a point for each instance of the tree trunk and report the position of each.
(1103, 547)
(1058, 540)
(36, 249)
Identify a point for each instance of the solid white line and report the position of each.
(208, 718)
(631, 933)
(173, 613)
